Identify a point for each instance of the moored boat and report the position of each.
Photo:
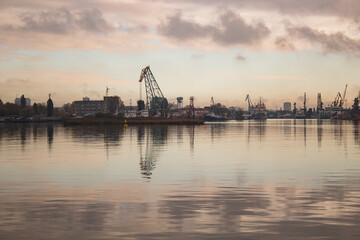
(210, 117)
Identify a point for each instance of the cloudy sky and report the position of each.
(274, 49)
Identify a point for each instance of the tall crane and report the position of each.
(336, 102)
(155, 100)
(343, 99)
(250, 104)
(320, 103)
(340, 99)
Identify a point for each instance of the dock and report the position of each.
(131, 121)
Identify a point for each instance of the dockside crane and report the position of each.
(155, 100)
(305, 103)
(339, 99)
(250, 104)
(320, 104)
(336, 102)
(343, 99)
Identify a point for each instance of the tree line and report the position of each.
(22, 110)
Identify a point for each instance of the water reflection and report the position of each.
(192, 137)
(305, 121)
(356, 132)
(23, 134)
(256, 129)
(287, 130)
(329, 211)
(293, 181)
(217, 130)
(179, 133)
(110, 135)
(319, 131)
(140, 134)
(35, 132)
(156, 139)
(50, 134)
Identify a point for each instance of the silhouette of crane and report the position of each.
(155, 100)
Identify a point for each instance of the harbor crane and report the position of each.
(343, 99)
(250, 104)
(320, 103)
(340, 99)
(155, 100)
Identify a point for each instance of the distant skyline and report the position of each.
(274, 49)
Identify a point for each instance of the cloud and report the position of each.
(62, 21)
(333, 42)
(341, 8)
(231, 29)
(283, 44)
(234, 30)
(92, 20)
(178, 28)
(240, 58)
(134, 25)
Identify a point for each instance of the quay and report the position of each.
(131, 121)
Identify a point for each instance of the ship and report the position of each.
(211, 117)
(258, 111)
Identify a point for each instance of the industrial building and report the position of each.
(88, 107)
(111, 104)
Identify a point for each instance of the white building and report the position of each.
(27, 100)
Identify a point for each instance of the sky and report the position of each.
(273, 49)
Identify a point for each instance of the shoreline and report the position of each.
(131, 121)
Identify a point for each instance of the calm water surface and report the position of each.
(277, 179)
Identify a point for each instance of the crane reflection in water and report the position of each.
(154, 138)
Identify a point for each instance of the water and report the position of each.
(276, 179)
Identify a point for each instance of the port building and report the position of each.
(110, 105)
(88, 107)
